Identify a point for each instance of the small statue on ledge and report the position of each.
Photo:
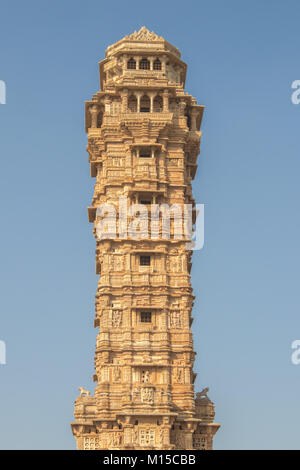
(203, 394)
(83, 392)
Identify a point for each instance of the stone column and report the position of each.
(138, 98)
(166, 101)
(193, 119)
(137, 58)
(151, 96)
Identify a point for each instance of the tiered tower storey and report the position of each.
(143, 142)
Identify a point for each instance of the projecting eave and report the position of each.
(149, 41)
(87, 105)
(101, 65)
(200, 109)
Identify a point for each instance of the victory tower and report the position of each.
(143, 141)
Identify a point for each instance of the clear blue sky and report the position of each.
(242, 58)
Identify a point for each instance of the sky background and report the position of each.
(242, 59)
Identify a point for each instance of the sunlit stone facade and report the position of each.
(143, 142)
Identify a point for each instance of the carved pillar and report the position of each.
(166, 101)
(139, 58)
(138, 99)
(193, 120)
(151, 96)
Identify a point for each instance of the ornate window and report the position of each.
(144, 260)
(144, 64)
(131, 64)
(158, 104)
(146, 317)
(147, 437)
(145, 376)
(132, 104)
(145, 104)
(91, 443)
(157, 64)
(199, 442)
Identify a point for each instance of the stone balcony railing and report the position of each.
(110, 119)
(132, 116)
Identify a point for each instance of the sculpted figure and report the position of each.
(83, 392)
(203, 393)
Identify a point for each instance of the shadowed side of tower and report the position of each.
(143, 142)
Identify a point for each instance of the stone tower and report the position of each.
(143, 141)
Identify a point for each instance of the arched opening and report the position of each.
(158, 104)
(145, 104)
(157, 64)
(99, 119)
(144, 64)
(132, 104)
(131, 64)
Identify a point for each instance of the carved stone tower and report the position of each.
(143, 141)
